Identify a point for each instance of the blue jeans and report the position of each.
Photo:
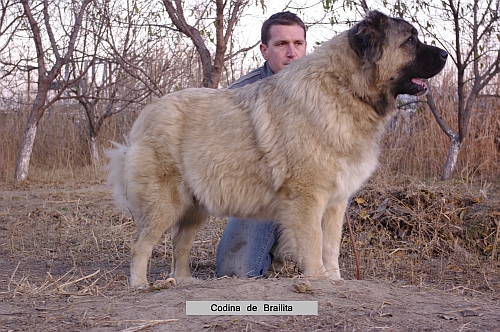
(244, 248)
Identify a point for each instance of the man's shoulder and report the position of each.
(251, 77)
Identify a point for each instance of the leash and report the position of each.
(358, 272)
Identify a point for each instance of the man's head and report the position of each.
(283, 40)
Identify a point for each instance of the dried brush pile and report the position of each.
(427, 232)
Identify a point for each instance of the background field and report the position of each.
(413, 146)
(428, 254)
(428, 249)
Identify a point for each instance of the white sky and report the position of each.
(313, 12)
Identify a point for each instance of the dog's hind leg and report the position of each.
(182, 241)
(332, 235)
(160, 210)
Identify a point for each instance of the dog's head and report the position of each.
(391, 48)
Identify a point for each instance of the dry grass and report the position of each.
(62, 143)
(413, 146)
(67, 238)
(55, 231)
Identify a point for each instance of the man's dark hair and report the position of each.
(283, 18)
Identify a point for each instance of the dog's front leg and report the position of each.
(332, 235)
(301, 234)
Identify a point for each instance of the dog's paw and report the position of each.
(186, 281)
(334, 275)
(141, 287)
(339, 278)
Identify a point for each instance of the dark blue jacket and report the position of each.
(253, 76)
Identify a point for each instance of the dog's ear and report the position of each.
(367, 37)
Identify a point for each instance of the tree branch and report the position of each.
(437, 115)
(246, 49)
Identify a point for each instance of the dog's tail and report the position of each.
(116, 173)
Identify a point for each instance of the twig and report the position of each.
(495, 244)
(60, 288)
(12, 276)
(80, 279)
(51, 277)
(461, 310)
(264, 324)
(454, 288)
(487, 283)
(115, 277)
(51, 309)
(143, 326)
(358, 271)
(54, 281)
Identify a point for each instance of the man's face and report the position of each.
(286, 45)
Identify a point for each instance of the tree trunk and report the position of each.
(451, 157)
(25, 150)
(94, 150)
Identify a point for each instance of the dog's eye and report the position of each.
(411, 41)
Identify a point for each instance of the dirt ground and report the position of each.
(428, 255)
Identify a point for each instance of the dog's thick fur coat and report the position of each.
(292, 148)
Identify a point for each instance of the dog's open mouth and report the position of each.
(420, 83)
(414, 86)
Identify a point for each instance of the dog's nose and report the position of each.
(444, 54)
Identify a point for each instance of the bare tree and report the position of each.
(227, 14)
(86, 65)
(37, 19)
(10, 21)
(153, 54)
(127, 58)
(475, 25)
(12, 65)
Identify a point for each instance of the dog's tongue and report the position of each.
(418, 81)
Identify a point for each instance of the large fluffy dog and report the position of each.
(291, 148)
